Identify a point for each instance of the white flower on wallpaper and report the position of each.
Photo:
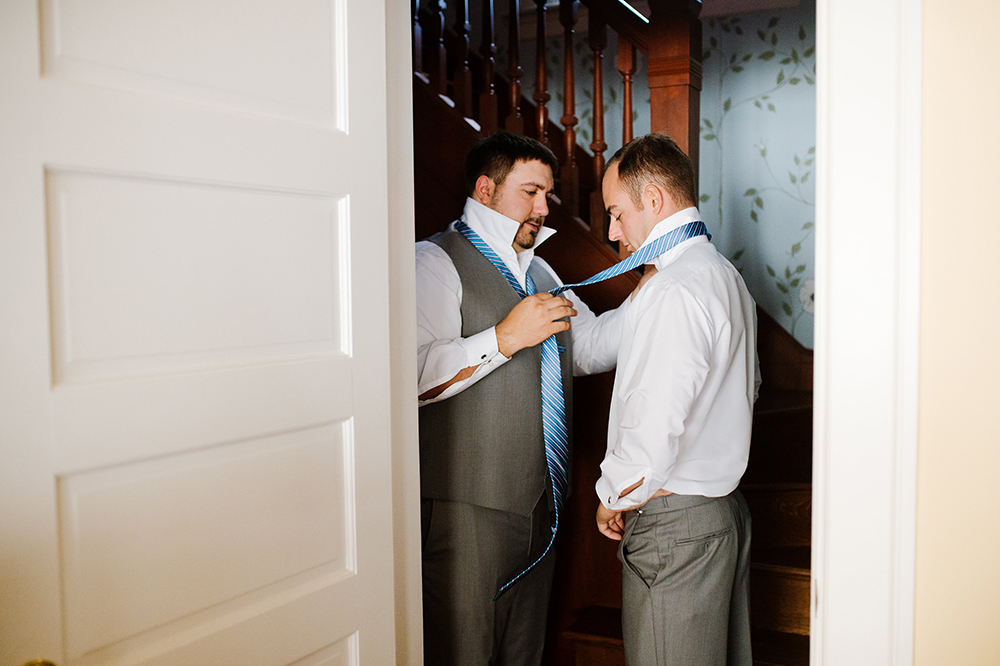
(807, 294)
(758, 106)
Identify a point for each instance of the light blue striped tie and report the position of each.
(553, 407)
(644, 254)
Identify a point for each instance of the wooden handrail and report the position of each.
(623, 21)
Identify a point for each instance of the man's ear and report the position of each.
(484, 189)
(655, 197)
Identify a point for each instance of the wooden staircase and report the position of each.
(778, 487)
(453, 108)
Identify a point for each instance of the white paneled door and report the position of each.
(194, 442)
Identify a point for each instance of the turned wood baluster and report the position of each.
(541, 95)
(598, 38)
(515, 121)
(437, 56)
(488, 97)
(418, 46)
(569, 173)
(626, 65)
(463, 75)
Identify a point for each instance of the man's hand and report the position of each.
(533, 320)
(610, 523)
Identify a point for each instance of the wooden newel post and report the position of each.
(569, 175)
(675, 72)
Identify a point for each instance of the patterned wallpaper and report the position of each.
(758, 137)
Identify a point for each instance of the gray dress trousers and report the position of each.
(685, 582)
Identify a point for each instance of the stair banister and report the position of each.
(437, 55)
(515, 121)
(541, 95)
(598, 40)
(623, 21)
(569, 175)
(463, 75)
(488, 97)
(671, 39)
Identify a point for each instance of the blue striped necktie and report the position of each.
(644, 254)
(553, 407)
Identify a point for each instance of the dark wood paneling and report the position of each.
(789, 365)
(781, 442)
(441, 138)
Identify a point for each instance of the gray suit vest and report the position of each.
(485, 446)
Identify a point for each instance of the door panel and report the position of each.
(194, 348)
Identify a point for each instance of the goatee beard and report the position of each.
(525, 238)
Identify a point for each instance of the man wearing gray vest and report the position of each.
(488, 470)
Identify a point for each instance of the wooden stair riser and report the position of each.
(781, 514)
(779, 599)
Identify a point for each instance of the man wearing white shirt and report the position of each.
(679, 427)
(486, 495)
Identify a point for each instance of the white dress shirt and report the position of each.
(442, 352)
(687, 378)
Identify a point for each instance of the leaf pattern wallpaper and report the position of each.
(758, 138)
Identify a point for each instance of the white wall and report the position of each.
(958, 545)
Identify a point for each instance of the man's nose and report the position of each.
(541, 207)
(614, 230)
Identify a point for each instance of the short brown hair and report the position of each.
(655, 158)
(496, 155)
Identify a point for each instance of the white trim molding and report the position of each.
(402, 337)
(867, 326)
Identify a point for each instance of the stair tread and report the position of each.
(790, 557)
(775, 648)
(776, 487)
(778, 401)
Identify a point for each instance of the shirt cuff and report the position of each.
(482, 348)
(610, 495)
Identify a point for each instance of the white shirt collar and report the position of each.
(498, 231)
(665, 226)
